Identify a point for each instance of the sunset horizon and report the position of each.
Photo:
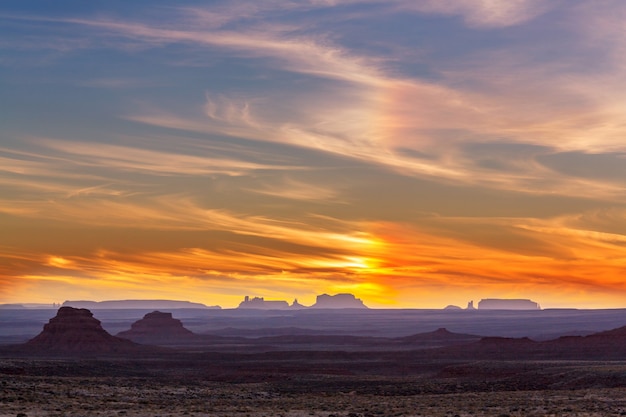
(413, 154)
(292, 303)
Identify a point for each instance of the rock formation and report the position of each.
(296, 305)
(75, 332)
(338, 301)
(139, 304)
(507, 304)
(261, 304)
(158, 328)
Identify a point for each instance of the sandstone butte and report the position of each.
(74, 331)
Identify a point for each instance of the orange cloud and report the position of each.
(391, 264)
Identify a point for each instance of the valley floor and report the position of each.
(47, 388)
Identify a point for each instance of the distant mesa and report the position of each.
(338, 301)
(11, 306)
(158, 328)
(260, 303)
(507, 304)
(498, 304)
(470, 306)
(325, 301)
(75, 331)
(137, 304)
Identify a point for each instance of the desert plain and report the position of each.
(105, 388)
(294, 371)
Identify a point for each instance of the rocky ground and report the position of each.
(34, 397)
(31, 388)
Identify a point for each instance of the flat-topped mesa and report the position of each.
(158, 328)
(338, 301)
(507, 304)
(136, 304)
(75, 331)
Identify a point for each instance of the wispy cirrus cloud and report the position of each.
(403, 113)
(486, 14)
(298, 190)
(381, 112)
(298, 53)
(117, 157)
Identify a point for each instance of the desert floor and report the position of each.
(39, 389)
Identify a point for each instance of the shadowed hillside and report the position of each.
(76, 332)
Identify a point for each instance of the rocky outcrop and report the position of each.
(75, 331)
(296, 305)
(158, 328)
(507, 304)
(260, 303)
(338, 301)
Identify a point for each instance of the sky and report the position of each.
(413, 153)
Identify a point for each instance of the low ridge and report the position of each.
(442, 336)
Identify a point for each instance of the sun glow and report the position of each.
(59, 262)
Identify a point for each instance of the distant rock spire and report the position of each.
(296, 304)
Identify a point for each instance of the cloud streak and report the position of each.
(484, 14)
(407, 113)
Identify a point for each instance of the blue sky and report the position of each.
(415, 154)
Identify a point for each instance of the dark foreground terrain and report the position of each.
(74, 367)
(253, 385)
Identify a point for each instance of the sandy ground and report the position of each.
(28, 396)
